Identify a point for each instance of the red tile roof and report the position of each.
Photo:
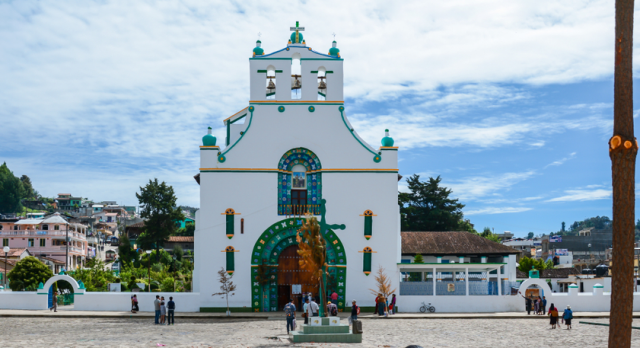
(451, 243)
(181, 239)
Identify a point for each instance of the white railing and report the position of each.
(42, 233)
(55, 249)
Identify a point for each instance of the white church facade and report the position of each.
(291, 149)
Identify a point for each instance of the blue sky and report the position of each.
(510, 102)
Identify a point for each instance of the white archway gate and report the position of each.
(68, 279)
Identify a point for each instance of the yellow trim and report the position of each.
(388, 147)
(294, 101)
(216, 146)
(341, 266)
(235, 251)
(239, 112)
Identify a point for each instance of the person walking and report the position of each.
(171, 308)
(290, 314)
(136, 308)
(306, 311)
(54, 304)
(332, 309)
(536, 306)
(156, 307)
(354, 312)
(553, 314)
(381, 304)
(375, 308)
(392, 305)
(567, 316)
(163, 311)
(334, 297)
(544, 305)
(313, 306)
(527, 303)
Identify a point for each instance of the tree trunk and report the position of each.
(622, 150)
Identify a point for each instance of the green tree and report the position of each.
(418, 259)
(11, 191)
(563, 226)
(126, 252)
(159, 208)
(530, 235)
(28, 191)
(178, 252)
(427, 207)
(486, 233)
(28, 273)
(189, 230)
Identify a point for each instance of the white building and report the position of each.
(285, 153)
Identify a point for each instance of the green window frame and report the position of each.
(366, 264)
(5, 242)
(230, 222)
(368, 223)
(43, 242)
(31, 242)
(230, 259)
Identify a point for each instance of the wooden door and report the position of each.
(290, 273)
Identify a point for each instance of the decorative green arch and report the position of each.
(276, 238)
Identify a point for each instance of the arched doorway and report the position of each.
(265, 265)
(66, 286)
(293, 281)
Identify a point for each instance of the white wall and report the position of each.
(114, 301)
(22, 300)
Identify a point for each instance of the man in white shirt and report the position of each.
(313, 308)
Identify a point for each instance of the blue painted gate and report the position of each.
(50, 296)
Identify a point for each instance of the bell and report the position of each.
(322, 85)
(297, 84)
(271, 85)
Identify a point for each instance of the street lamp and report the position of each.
(149, 256)
(6, 251)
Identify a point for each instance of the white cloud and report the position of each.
(497, 210)
(561, 161)
(582, 195)
(477, 187)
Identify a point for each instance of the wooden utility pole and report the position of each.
(623, 149)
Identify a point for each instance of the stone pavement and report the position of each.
(68, 313)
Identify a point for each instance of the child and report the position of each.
(567, 316)
(163, 312)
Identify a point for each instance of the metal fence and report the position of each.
(416, 288)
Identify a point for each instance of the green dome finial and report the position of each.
(296, 37)
(209, 140)
(334, 51)
(258, 51)
(387, 141)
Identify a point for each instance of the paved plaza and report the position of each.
(212, 332)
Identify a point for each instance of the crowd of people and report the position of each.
(539, 307)
(383, 306)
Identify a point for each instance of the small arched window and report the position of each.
(271, 82)
(45, 227)
(296, 77)
(299, 183)
(16, 227)
(322, 83)
(56, 227)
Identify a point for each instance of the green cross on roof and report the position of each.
(296, 28)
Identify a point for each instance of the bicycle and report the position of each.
(428, 307)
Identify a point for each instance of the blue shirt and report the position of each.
(290, 310)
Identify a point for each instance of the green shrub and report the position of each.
(167, 285)
(28, 273)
